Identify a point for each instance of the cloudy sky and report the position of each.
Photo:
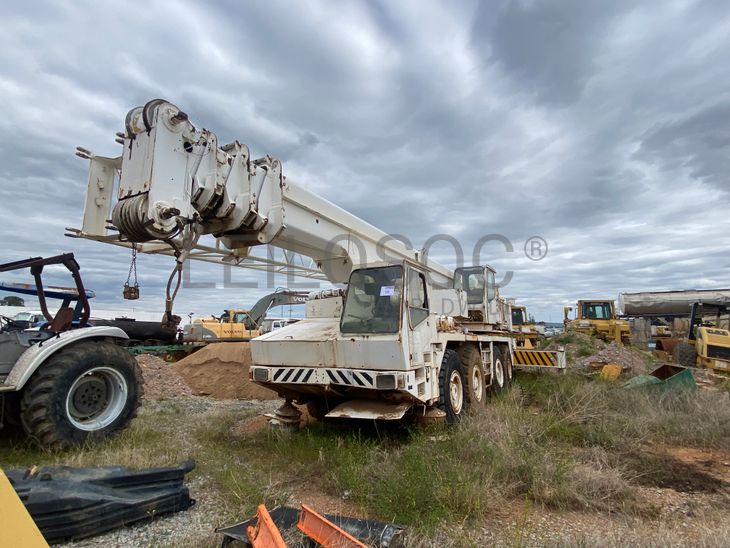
(602, 127)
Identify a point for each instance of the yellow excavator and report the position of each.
(525, 332)
(598, 318)
(237, 325)
(706, 345)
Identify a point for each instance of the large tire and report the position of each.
(502, 367)
(86, 391)
(452, 387)
(11, 426)
(471, 362)
(685, 355)
(507, 358)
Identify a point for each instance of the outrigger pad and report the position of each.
(73, 503)
(377, 534)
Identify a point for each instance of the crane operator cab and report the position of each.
(485, 306)
(373, 303)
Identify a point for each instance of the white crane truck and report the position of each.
(407, 335)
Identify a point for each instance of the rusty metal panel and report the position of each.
(370, 409)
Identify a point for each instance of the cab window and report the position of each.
(417, 297)
(373, 302)
(471, 280)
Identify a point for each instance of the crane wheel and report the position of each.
(685, 355)
(471, 362)
(86, 391)
(502, 375)
(452, 387)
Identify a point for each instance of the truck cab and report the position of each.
(384, 338)
(526, 333)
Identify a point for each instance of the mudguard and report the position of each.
(31, 359)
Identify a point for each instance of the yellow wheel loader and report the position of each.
(597, 318)
(706, 344)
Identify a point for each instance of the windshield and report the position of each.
(373, 301)
(242, 317)
(23, 316)
(597, 311)
(471, 280)
(518, 316)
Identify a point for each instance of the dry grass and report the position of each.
(555, 444)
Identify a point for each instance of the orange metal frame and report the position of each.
(324, 531)
(265, 534)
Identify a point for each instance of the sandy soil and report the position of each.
(220, 370)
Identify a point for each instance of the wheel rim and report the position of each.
(96, 398)
(499, 373)
(477, 383)
(456, 392)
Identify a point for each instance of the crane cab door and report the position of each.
(419, 323)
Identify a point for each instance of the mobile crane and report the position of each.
(407, 335)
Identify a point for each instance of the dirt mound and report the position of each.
(582, 350)
(161, 381)
(616, 353)
(220, 370)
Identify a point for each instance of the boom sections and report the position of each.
(177, 183)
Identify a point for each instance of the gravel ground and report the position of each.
(195, 526)
(161, 381)
(615, 353)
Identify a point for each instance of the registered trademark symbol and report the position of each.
(536, 248)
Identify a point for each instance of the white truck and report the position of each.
(407, 335)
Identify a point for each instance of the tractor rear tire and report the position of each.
(685, 355)
(84, 392)
(471, 362)
(452, 387)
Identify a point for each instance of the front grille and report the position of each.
(718, 352)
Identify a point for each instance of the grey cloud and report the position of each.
(699, 142)
(598, 126)
(548, 47)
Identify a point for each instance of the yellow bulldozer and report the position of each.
(707, 345)
(236, 325)
(597, 318)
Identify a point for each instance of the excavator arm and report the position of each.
(281, 297)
